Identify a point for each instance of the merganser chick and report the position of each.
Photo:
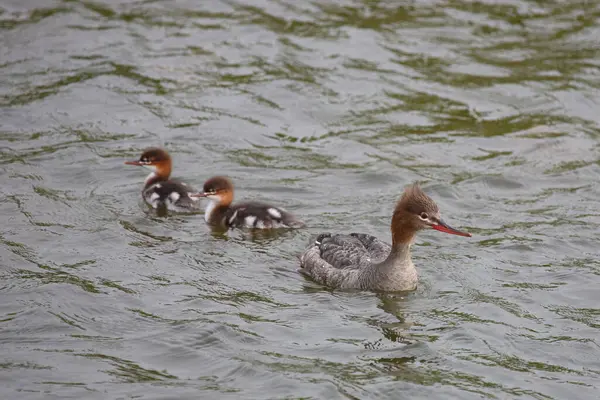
(220, 213)
(159, 191)
(361, 261)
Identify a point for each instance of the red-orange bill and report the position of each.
(198, 195)
(133, 163)
(444, 227)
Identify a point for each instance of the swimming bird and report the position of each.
(159, 191)
(361, 261)
(221, 213)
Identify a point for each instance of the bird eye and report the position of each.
(424, 215)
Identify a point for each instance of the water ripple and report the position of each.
(327, 108)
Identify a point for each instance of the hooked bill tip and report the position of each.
(133, 163)
(443, 227)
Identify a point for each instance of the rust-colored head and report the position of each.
(218, 189)
(416, 211)
(155, 159)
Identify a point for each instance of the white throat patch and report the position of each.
(152, 175)
(210, 207)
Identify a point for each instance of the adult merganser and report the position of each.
(360, 261)
(219, 211)
(159, 191)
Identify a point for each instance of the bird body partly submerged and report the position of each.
(172, 194)
(250, 215)
(161, 192)
(220, 212)
(360, 261)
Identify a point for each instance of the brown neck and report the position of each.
(216, 209)
(403, 232)
(163, 169)
(226, 198)
(162, 173)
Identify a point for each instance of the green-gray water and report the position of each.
(327, 108)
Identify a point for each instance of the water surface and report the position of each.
(328, 108)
